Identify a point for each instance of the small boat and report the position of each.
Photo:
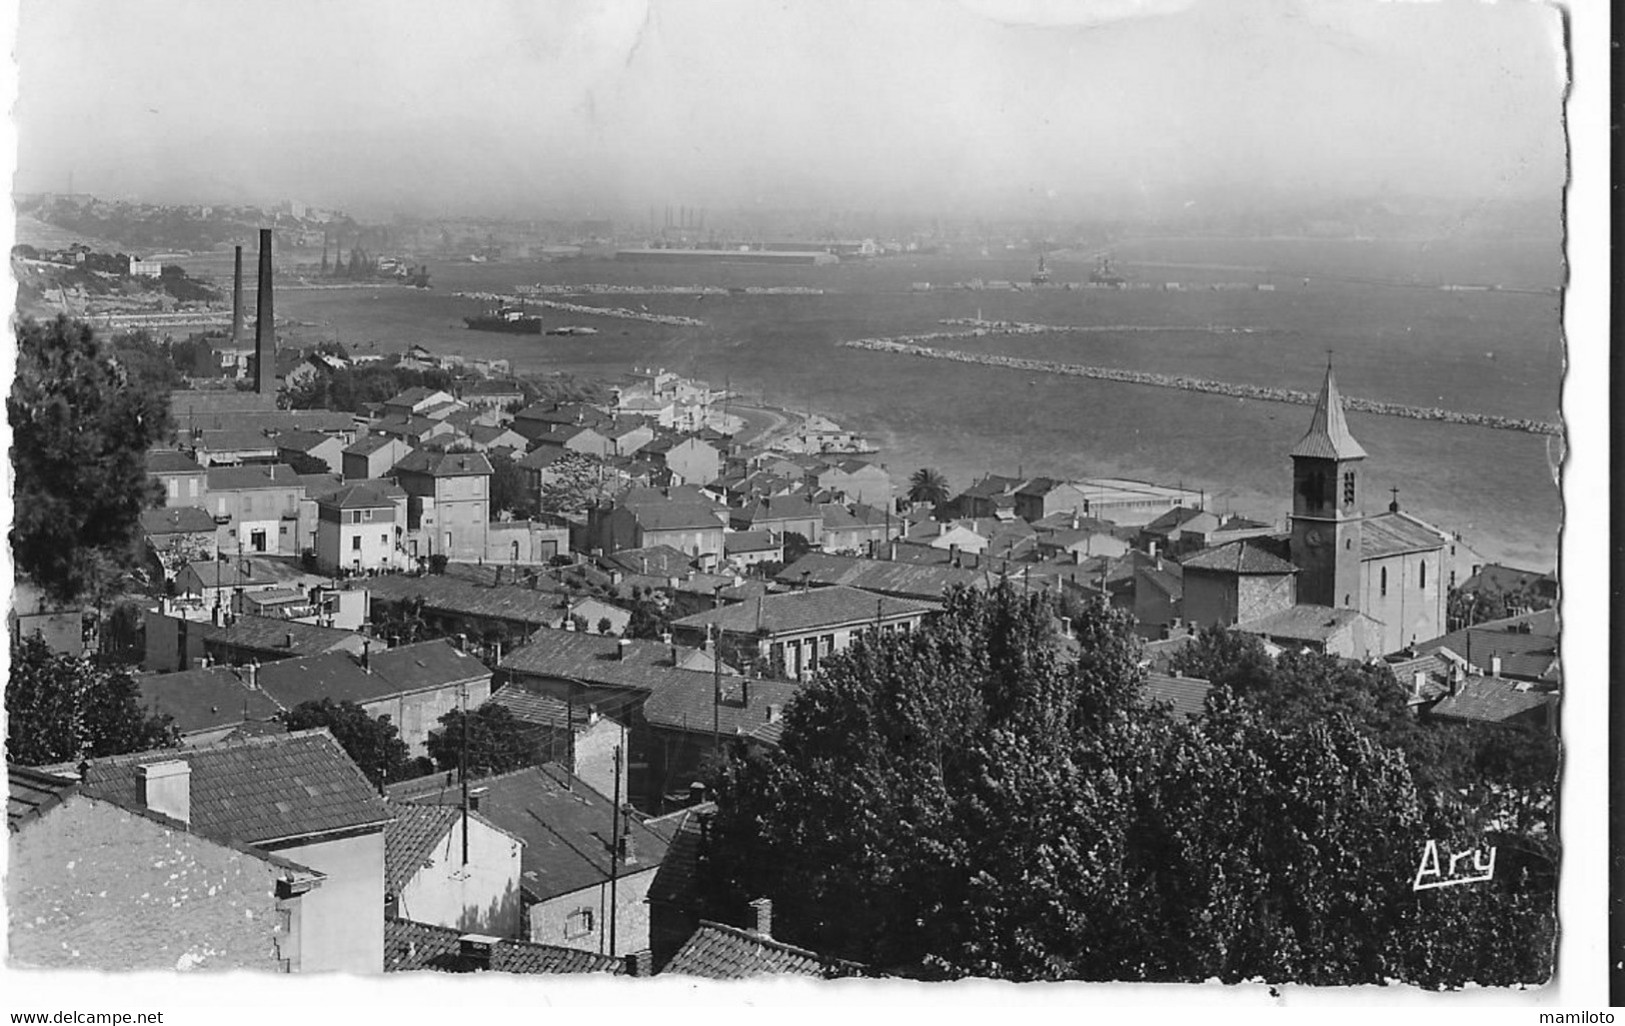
(512, 320)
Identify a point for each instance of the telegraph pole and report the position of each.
(614, 849)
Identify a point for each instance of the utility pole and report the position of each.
(614, 849)
(716, 688)
(462, 767)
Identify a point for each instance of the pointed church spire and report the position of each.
(1328, 436)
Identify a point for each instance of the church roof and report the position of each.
(1328, 436)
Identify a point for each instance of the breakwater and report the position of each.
(909, 345)
(601, 289)
(981, 327)
(620, 313)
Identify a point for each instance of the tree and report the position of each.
(968, 800)
(509, 490)
(61, 708)
(649, 618)
(373, 742)
(80, 430)
(497, 742)
(927, 485)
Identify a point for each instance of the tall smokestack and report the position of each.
(237, 297)
(265, 324)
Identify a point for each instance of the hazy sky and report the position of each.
(383, 106)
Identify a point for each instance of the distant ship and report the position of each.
(1104, 274)
(510, 319)
(572, 329)
(1041, 276)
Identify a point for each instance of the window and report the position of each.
(355, 543)
(174, 488)
(1382, 578)
(578, 923)
(1424, 577)
(1348, 488)
(191, 487)
(355, 516)
(366, 514)
(248, 504)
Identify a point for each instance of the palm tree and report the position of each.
(928, 485)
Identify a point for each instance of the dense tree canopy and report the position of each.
(497, 742)
(60, 709)
(373, 742)
(970, 800)
(81, 425)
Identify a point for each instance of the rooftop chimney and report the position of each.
(265, 324)
(696, 793)
(237, 296)
(1495, 664)
(476, 950)
(168, 788)
(774, 712)
(640, 964)
(1419, 680)
(287, 640)
(366, 654)
(763, 909)
(621, 646)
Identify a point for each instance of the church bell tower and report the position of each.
(1326, 470)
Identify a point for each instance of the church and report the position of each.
(1343, 580)
(1389, 566)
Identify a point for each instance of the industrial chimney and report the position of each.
(265, 324)
(237, 296)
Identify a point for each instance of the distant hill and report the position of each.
(31, 231)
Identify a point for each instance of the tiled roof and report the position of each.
(410, 840)
(358, 496)
(1531, 656)
(444, 464)
(1238, 557)
(233, 573)
(677, 516)
(410, 397)
(1302, 623)
(303, 441)
(688, 703)
(721, 952)
(911, 580)
(176, 520)
(807, 610)
(1169, 578)
(168, 461)
(257, 790)
(183, 401)
(1495, 577)
(640, 663)
(511, 602)
(1187, 695)
(540, 709)
(486, 386)
(750, 541)
(1328, 436)
(426, 664)
(1389, 534)
(340, 677)
(204, 699)
(419, 947)
(993, 485)
(30, 792)
(269, 636)
(370, 444)
(653, 560)
(675, 880)
(231, 479)
(1491, 700)
(1176, 517)
(564, 824)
